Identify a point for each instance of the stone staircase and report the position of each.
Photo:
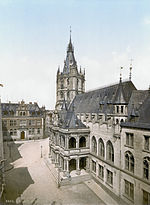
(75, 180)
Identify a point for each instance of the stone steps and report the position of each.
(75, 180)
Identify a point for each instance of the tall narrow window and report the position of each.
(93, 166)
(146, 142)
(122, 109)
(109, 177)
(101, 148)
(146, 163)
(101, 171)
(129, 161)
(117, 109)
(130, 139)
(110, 151)
(146, 198)
(129, 190)
(94, 145)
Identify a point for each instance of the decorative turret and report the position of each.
(70, 81)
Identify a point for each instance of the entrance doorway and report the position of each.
(72, 165)
(22, 135)
(83, 163)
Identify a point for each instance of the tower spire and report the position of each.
(70, 46)
(121, 74)
(70, 34)
(130, 74)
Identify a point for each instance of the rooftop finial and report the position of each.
(130, 74)
(121, 74)
(70, 33)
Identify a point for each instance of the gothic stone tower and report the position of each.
(71, 81)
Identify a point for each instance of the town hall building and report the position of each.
(105, 132)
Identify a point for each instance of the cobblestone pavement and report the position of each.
(31, 182)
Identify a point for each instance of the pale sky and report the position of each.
(106, 34)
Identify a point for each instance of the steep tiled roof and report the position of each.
(70, 59)
(69, 120)
(14, 107)
(141, 101)
(137, 99)
(89, 102)
(72, 122)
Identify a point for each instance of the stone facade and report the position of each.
(2, 160)
(107, 118)
(22, 121)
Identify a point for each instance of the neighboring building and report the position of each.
(48, 121)
(86, 134)
(22, 121)
(2, 181)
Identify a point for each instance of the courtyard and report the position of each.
(31, 182)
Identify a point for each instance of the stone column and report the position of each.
(53, 157)
(87, 164)
(57, 160)
(78, 172)
(67, 166)
(67, 142)
(64, 170)
(50, 154)
(97, 168)
(105, 174)
(77, 142)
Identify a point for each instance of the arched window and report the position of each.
(72, 143)
(101, 148)
(110, 151)
(94, 145)
(117, 121)
(129, 161)
(146, 162)
(82, 142)
(122, 120)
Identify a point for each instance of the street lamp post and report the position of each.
(58, 180)
(9, 145)
(41, 152)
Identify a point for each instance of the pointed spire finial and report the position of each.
(80, 69)
(70, 33)
(58, 71)
(130, 74)
(121, 74)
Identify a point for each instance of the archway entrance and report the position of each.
(22, 135)
(83, 163)
(72, 165)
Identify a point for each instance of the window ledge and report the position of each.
(132, 147)
(110, 185)
(128, 171)
(93, 172)
(145, 150)
(101, 178)
(127, 197)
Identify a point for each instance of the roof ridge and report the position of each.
(107, 86)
